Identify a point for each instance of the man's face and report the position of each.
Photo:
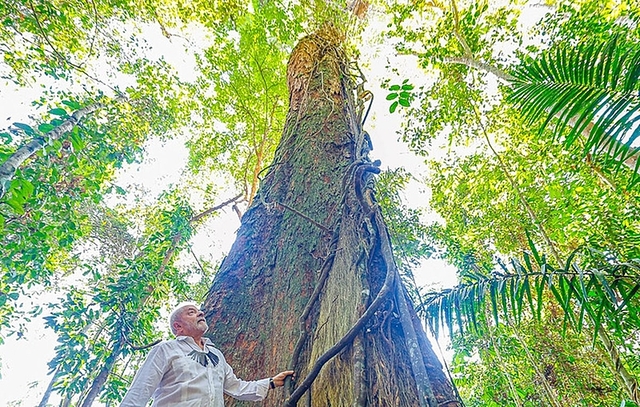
(192, 321)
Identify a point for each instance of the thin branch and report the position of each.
(237, 211)
(95, 32)
(630, 161)
(196, 259)
(598, 171)
(55, 51)
(474, 63)
(46, 38)
(201, 215)
(103, 373)
(516, 188)
(456, 30)
(132, 346)
(302, 215)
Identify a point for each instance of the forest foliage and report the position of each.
(525, 115)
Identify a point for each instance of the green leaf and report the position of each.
(58, 111)
(22, 188)
(394, 88)
(493, 288)
(16, 205)
(605, 286)
(6, 137)
(45, 127)
(532, 246)
(626, 298)
(26, 128)
(591, 87)
(76, 141)
(73, 105)
(539, 295)
(404, 102)
(393, 107)
(392, 96)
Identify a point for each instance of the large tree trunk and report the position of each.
(312, 268)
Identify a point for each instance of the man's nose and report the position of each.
(201, 313)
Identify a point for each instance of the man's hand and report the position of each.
(278, 380)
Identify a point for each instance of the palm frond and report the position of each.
(591, 89)
(606, 295)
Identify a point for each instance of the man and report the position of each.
(189, 372)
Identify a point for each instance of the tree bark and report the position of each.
(310, 282)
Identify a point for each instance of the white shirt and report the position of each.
(175, 378)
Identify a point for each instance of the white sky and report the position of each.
(23, 363)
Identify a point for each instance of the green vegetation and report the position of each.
(528, 128)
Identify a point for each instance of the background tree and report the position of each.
(512, 180)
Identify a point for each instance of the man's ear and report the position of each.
(177, 327)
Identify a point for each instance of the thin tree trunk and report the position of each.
(617, 366)
(119, 345)
(47, 393)
(310, 280)
(103, 375)
(549, 391)
(500, 366)
(516, 189)
(10, 166)
(608, 143)
(66, 402)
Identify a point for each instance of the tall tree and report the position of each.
(310, 282)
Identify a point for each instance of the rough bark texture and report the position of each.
(315, 224)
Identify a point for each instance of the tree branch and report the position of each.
(55, 51)
(456, 30)
(474, 63)
(201, 215)
(132, 346)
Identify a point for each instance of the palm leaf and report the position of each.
(578, 292)
(592, 88)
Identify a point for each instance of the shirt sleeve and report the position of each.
(243, 390)
(147, 379)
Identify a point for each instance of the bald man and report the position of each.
(189, 371)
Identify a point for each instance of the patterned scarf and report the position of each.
(204, 357)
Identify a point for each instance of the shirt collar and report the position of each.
(207, 341)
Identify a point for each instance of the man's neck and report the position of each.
(199, 341)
